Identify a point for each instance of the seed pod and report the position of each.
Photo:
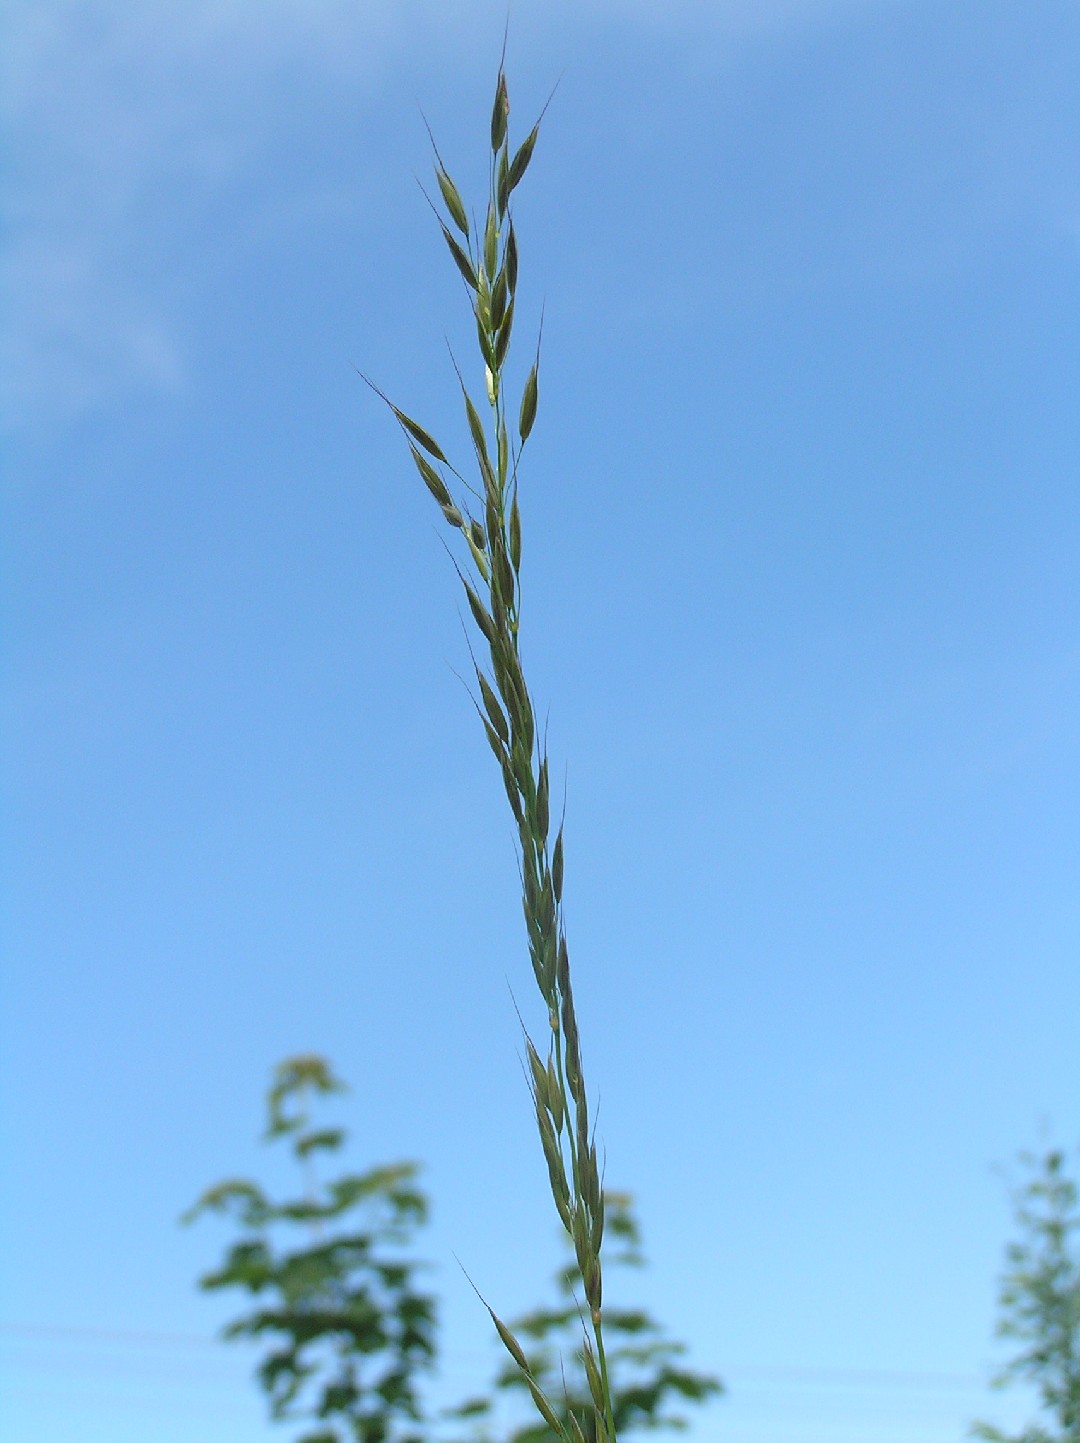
(498, 300)
(499, 113)
(476, 531)
(528, 405)
(547, 907)
(502, 184)
(547, 977)
(573, 1075)
(483, 296)
(453, 200)
(521, 160)
(483, 620)
(560, 1190)
(591, 1182)
(502, 340)
(592, 1373)
(419, 435)
(510, 1343)
(461, 260)
(493, 709)
(504, 460)
(515, 533)
(544, 1408)
(581, 1126)
(511, 262)
(550, 1146)
(493, 740)
(539, 1072)
(479, 440)
(432, 480)
(491, 243)
(563, 973)
(594, 1286)
(529, 883)
(597, 1229)
(558, 1114)
(486, 348)
(581, 1239)
(454, 516)
(480, 561)
(511, 790)
(542, 799)
(506, 575)
(557, 867)
(491, 517)
(567, 1217)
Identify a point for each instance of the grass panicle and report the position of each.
(488, 262)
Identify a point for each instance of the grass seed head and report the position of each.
(502, 340)
(493, 741)
(597, 1228)
(594, 1286)
(520, 162)
(504, 460)
(432, 480)
(453, 200)
(515, 527)
(476, 429)
(498, 299)
(539, 1072)
(511, 262)
(528, 405)
(542, 800)
(555, 1094)
(500, 113)
(512, 795)
(592, 1373)
(476, 606)
(491, 243)
(461, 260)
(487, 350)
(493, 709)
(544, 1408)
(420, 436)
(510, 1343)
(557, 867)
(502, 183)
(506, 575)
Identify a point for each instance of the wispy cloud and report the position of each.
(129, 116)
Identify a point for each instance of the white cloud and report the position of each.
(128, 115)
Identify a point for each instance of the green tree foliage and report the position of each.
(1040, 1302)
(349, 1331)
(645, 1373)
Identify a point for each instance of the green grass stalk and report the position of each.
(489, 523)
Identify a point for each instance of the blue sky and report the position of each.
(801, 529)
